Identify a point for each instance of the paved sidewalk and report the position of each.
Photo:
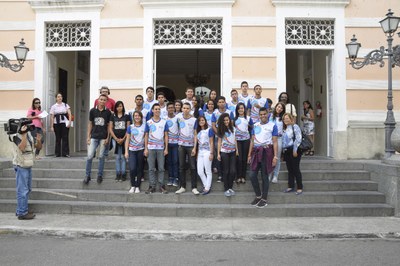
(163, 228)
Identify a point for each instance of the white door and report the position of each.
(50, 94)
(154, 71)
(329, 74)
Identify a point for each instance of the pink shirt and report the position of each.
(37, 122)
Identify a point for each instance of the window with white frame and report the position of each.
(187, 31)
(310, 31)
(68, 34)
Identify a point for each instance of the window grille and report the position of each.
(187, 31)
(310, 32)
(74, 34)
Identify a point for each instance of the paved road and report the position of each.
(20, 250)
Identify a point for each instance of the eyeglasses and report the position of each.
(37, 102)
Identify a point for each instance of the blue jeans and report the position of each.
(173, 161)
(136, 163)
(279, 154)
(151, 160)
(264, 177)
(120, 162)
(23, 188)
(94, 143)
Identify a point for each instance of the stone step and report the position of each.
(306, 164)
(110, 174)
(189, 198)
(202, 210)
(110, 184)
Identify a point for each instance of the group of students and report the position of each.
(224, 136)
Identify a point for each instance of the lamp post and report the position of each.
(20, 51)
(389, 26)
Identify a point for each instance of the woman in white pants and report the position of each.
(205, 140)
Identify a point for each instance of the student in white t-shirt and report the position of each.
(173, 138)
(244, 97)
(187, 147)
(148, 103)
(227, 152)
(234, 101)
(262, 156)
(134, 149)
(255, 103)
(243, 125)
(156, 148)
(189, 97)
(205, 155)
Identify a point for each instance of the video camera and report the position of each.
(13, 126)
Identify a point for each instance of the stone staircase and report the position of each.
(331, 188)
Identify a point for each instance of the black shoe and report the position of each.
(28, 216)
(86, 180)
(163, 190)
(123, 177)
(150, 190)
(262, 203)
(66, 156)
(255, 201)
(118, 177)
(99, 179)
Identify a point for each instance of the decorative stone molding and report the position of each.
(320, 3)
(163, 3)
(67, 5)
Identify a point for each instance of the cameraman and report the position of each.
(24, 155)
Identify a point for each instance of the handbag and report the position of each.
(305, 143)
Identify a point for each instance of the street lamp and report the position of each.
(21, 51)
(389, 26)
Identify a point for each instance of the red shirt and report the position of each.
(109, 104)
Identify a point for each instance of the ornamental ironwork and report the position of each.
(187, 31)
(310, 32)
(68, 34)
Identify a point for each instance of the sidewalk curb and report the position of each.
(189, 236)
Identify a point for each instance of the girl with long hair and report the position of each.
(277, 119)
(213, 97)
(308, 122)
(243, 125)
(134, 149)
(227, 152)
(205, 155)
(119, 123)
(33, 114)
(60, 122)
(197, 110)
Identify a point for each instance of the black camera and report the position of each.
(13, 126)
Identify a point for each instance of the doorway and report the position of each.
(309, 77)
(68, 73)
(174, 67)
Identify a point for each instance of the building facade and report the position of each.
(297, 46)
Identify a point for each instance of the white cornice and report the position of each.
(320, 3)
(67, 5)
(181, 3)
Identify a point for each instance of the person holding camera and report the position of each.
(33, 114)
(60, 115)
(24, 157)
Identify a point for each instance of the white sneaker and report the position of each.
(132, 190)
(195, 191)
(232, 192)
(275, 180)
(181, 190)
(137, 190)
